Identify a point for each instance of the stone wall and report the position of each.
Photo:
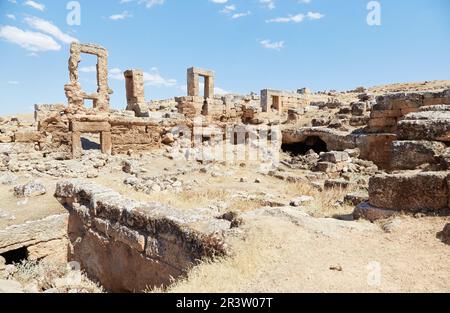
(131, 246)
(392, 108)
(281, 101)
(411, 191)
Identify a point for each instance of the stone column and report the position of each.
(106, 143)
(102, 82)
(192, 83)
(209, 87)
(134, 85)
(77, 149)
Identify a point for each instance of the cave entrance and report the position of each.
(15, 256)
(300, 148)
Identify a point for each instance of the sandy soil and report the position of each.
(279, 256)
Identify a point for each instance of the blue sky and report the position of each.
(250, 44)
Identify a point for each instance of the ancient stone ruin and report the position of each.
(141, 195)
(75, 95)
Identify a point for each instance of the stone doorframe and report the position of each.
(103, 128)
(193, 84)
(74, 94)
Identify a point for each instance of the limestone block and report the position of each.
(27, 136)
(429, 125)
(86, 127)
(368, 212)
(410, 191)
(409, 155)
(31, 189)
(334, 157)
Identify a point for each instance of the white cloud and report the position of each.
(11, 16)
(269, 4)
(219, 1)
(31, 41)
(49, 28)
(231, 10)
(296, 18)
(147, 3)
(35, 5)
(155, 79)
(220, 91)
(315, 16)
(13, 82)
(116, 74)
(121, 16)
(88, 69)
(228, 9)
(239, 15)
(152, 78)
(217, 90)
(277, 45)
(304, 1)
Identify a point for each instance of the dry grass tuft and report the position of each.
(40, 276)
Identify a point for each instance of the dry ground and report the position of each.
(279, 256)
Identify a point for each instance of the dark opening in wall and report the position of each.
(90, 141)
(15, 256)
(300, 148)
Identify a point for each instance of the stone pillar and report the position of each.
(134, 85)
(102, 82)
(77, 149)
(74, 60)
(106, 143)
(192, 83)
(265, 100)
(209, 87)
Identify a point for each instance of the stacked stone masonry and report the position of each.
(111, 235)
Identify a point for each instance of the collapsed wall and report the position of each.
(131, 246)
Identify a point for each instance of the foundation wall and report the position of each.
(130, 246)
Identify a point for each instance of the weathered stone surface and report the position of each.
(29, 136)
(358, 108)
(368, 212)
(90, 127)
(336, 184)
(74, 94)
(428, 125)
(357, 198)
(445, 234)
(34, 232)
(334, 157)
(31, 189)
(131, 167)
(410, 191)
(326, 167)
(376, 148)
(129, 245)
(409, 155)
(299, 201)
(193, 74)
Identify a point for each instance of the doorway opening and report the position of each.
(90, 141)
(15, 256)
(300, 148)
